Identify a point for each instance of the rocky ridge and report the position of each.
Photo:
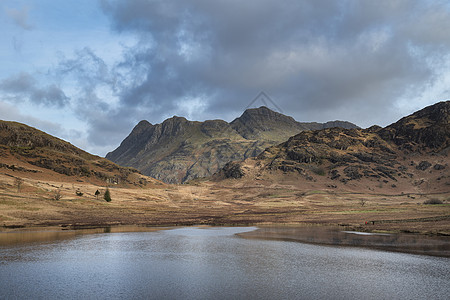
(178, 150)
(411, 154)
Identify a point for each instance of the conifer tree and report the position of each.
(107, 195)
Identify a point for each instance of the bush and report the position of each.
(433, 201)
(57, 195)
(318, 171)
(107, 195)
(18, 182)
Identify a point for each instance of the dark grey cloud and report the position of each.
(24, 86)
(318, 59)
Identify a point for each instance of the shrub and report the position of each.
(433, 201)
(107, 195)
(18, 182)
(57, 195)
(319, 171)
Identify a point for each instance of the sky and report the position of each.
(88, 71)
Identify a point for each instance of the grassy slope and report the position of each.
(230, 202)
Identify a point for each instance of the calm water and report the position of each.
(212, 263)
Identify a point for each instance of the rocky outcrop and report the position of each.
(231, 170)
(178, 150)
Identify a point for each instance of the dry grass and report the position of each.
(224, 203)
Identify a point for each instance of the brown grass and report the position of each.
(230, 202)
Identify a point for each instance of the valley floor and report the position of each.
(212, 203)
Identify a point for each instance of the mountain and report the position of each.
(265, 124)
(409, 155)
(26, 150)
(178, 150)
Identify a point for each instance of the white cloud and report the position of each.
(362, 61)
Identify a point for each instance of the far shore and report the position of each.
(318, 234)
(229, 203)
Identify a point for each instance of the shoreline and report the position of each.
(367, 228)
(342, 236)
(315, 234)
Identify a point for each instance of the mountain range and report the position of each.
(178, 150)
(410, 155)
(381, 177)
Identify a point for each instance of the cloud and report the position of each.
(363, 61)
(20, 17)
(24, 86)
(95, 91)
(346, 59)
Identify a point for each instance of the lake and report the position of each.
(209, 263)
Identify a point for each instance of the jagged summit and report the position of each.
(262, 122)
(262, 113)
(178, 150)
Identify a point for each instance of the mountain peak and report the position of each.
(257, 109)
(142, 126)
(254, 122)
(262, 112)
(176, 119)
(143, 123)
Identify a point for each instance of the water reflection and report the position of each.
(16, 237)
(212, 263)
(336, 236)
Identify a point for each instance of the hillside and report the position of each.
(368, 180)
(411, 155)
(179, 150)
(26, 151)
